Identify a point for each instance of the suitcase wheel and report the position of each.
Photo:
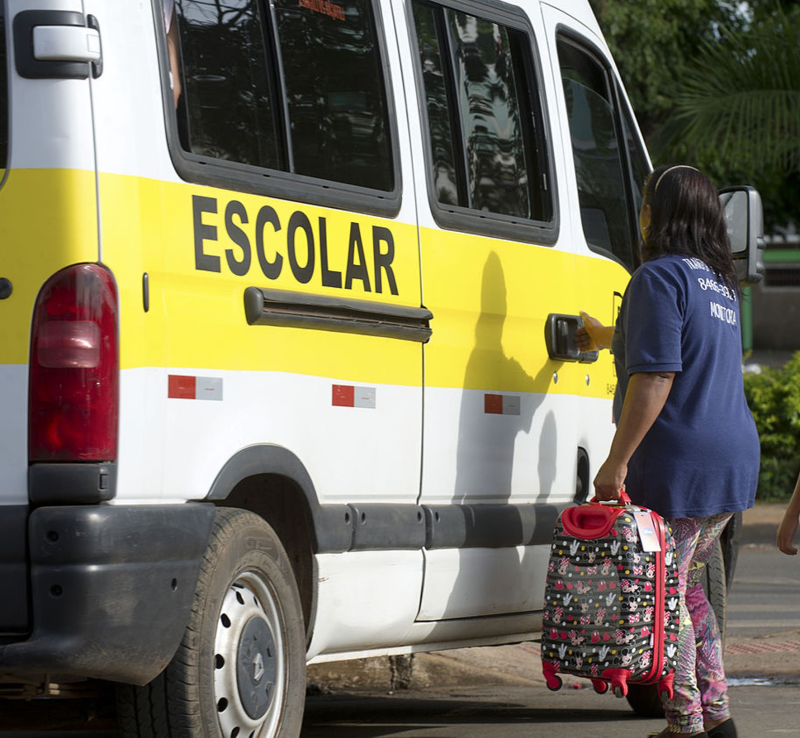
(552, 679)
(553, 683)
(619, 681)
(666, 685)
(599, 686)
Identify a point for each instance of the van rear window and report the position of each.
(291, 85)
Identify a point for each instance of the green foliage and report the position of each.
(741, 96)
(653, 43)
(738, 111)
(717, 85)
(774, 398)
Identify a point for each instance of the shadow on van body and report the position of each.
(487, 441)
(487, 444)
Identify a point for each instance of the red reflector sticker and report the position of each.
(493, 404)
(345, 395)
(501, 404)
(181, 388)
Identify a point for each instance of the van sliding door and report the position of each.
(499, 438)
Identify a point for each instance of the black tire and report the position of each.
(715, 583)
(241, 663)
(644, 698)
(730, 540)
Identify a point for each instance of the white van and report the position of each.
(287, 299)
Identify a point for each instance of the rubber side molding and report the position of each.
(490, 526)
(336, 528)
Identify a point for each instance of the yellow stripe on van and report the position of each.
(48, 220)
(489, 297)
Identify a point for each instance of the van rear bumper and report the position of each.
(111, 589)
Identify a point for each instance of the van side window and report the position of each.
(293, 85)
(334, 91)
(639, 164)
(486, 136)
(604, 180)
(230, 108)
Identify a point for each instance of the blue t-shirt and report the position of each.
(701, 456)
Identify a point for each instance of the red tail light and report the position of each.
(74, 368)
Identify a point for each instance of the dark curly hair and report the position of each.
(686, 218)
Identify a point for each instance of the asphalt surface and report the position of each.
(519, 712)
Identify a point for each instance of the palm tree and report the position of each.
(740, 101)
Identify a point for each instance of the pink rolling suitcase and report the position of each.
(611, 598)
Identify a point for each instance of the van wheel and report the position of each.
(240, 668)
(644, 698)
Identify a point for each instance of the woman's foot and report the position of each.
(721, 728)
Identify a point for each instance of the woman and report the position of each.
(686, 444)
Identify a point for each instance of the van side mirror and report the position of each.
(744, 218)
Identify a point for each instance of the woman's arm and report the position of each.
(644, 400)
(788, 526)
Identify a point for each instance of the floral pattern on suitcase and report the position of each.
(601, 605)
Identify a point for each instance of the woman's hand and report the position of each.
(593, 335)
(610, 480)
(786, 531)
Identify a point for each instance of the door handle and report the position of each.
(559, 333)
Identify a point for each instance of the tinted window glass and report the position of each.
(498, 174)
(443, 147)
(334, 91)
(3, 92)
(599, 167)
(639, 167)
(227, 98)
(486, 136)
(302, 93)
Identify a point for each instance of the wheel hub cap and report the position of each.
(256, 668)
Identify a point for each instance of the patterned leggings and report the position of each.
(700, 688)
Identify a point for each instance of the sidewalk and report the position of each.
(520, 664)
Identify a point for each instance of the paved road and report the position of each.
(489, 701)
(519, 712)
(765, 597)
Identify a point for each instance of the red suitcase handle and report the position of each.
(594, 520)
(623, 500)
